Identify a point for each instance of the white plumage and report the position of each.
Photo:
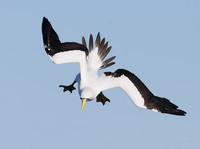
(91, 59)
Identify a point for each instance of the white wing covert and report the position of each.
(61, 52)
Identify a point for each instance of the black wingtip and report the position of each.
(176, 112)
(46, 26)
(45, 21)
(50, 38)
(44, 18)
(163, 105)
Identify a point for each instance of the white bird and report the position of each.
(90, 85)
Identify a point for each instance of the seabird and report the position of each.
(90, 84)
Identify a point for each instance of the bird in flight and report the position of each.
(90, 84)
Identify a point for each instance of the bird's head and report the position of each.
(87, 94)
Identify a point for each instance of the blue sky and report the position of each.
(156, 40)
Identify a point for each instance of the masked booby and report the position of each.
(91, 59)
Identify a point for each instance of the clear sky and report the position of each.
(157, 40)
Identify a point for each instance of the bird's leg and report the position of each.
(101, 98)
(68, 88)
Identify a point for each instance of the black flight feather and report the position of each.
(52, 43)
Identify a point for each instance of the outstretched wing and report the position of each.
(61, 52)
(138, 92)
(97, 53)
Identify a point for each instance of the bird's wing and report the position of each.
(61, 52)
(97, 53)
(138, 92)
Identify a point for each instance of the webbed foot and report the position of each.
(68, 88)
(101, 98)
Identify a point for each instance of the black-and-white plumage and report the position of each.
(91, 59)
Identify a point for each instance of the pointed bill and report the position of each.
(84, 102)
